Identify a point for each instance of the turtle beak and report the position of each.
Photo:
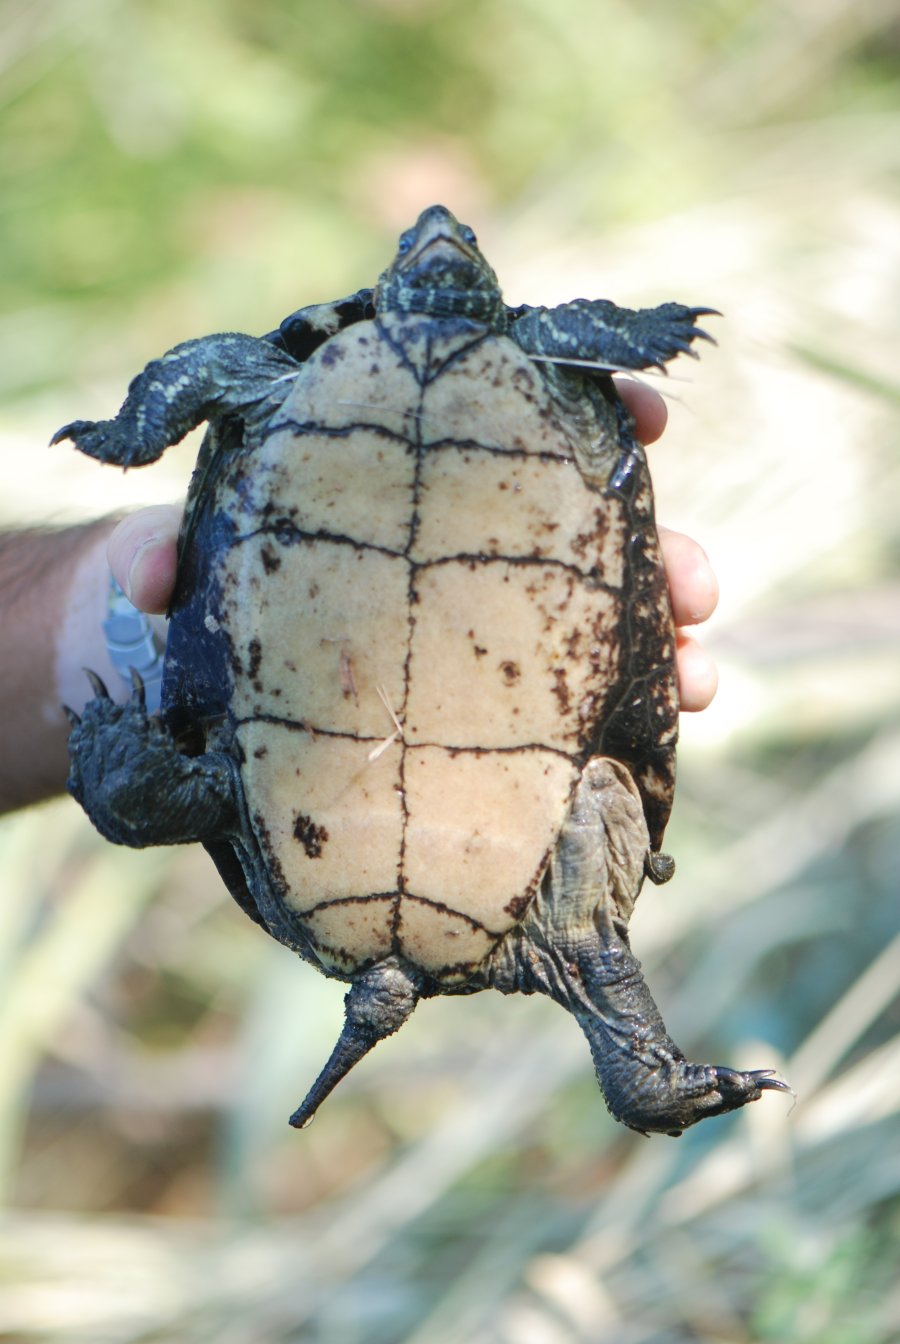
(440, 254)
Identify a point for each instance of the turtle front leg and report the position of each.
(136, 786)
(574, 948)
(597, 332)
(193, 382)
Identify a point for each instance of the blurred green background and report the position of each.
(170, 169)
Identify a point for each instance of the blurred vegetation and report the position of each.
(170, 169)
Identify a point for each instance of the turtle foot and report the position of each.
(110, 441)
(669, 1099)
(135, 785)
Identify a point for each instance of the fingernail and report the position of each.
(134, 569)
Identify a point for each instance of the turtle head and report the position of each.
(439, 270)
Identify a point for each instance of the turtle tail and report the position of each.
(378, 1003)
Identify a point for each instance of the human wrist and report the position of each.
(52, 585)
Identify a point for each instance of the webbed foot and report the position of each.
(600, 333)
(135, 785)
(673, 1095)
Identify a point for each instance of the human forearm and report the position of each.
(53, 594)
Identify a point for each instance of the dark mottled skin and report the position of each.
(150, 781)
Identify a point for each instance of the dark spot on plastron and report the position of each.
(311, 836)
(561, 690)
(583, 542)
(260, 752)
(573, 644)
(331, 354)
(510, 672)
(254, 648)
(271, 561)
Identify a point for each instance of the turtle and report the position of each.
(419, 699)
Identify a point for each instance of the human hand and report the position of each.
(693, 586)
(142, 555)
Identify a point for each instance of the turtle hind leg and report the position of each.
(647, 1082)
(377, 1005)
(573, 947)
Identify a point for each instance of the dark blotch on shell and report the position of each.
(311, 836)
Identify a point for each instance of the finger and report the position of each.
(142, 555)
(693, 585)
(646, 405)
(698, 679)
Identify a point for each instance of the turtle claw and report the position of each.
(737, 1087)
(74, 719)
(140, 691)
(98, 685)
(72, 431)
(91, 437)
(700, 334)
(697, 333)
(765, 1080)
(692, 1092)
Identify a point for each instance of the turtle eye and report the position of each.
(468, 235)
(405, 243)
